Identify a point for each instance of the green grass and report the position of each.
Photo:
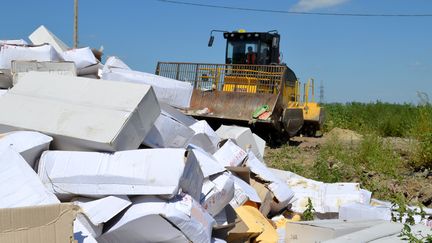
(373, 161)
(387, 120)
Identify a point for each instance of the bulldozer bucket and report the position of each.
(229, 105)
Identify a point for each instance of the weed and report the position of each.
(309, 212)
(403, 212)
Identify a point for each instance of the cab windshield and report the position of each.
(242, 52)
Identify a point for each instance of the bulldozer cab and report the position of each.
(252, 48)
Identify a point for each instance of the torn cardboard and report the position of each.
(151, 219)
(40, 224)
(243, 193)
(282, 193)
(326, 197)
(97, 212)
(256, 222)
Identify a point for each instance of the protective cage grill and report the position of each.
(226, 77)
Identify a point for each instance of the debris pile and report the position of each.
(101, 153)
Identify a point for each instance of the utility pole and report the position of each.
(75, 36)
(321, 92)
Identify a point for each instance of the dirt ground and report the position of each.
(416, 186)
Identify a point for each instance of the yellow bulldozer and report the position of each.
(251, 89)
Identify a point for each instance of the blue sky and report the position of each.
(357, 58)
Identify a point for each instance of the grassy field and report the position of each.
(393, 157)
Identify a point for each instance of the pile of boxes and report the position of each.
(100, 153)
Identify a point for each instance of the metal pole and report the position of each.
(75, 24)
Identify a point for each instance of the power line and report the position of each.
(292, 12)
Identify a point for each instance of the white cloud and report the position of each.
(308, 5)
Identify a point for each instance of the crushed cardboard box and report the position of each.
(151, 219)
(256, 222)
(95, 213)
(282, 193)
(326, 197)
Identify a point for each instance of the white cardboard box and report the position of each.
(168, 133)
(242, 136)
(321, 230)
(209, 165)
(326, 197)
(230, 154)
(82, 57)
(218, 191)
(202, 127)
(42, 35)
(5, 79)
(43, 53)
(173, 92)
(62, 68)
(97, 212)
(203, 141)
(360, 211)
(282, 192)
(80, 113)
(135, 172)
(13, 42)
(369, 234)
(177, 115)
(151, 219)
(21, 186)
(243, 192)
(29, 144)
(261, 143)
